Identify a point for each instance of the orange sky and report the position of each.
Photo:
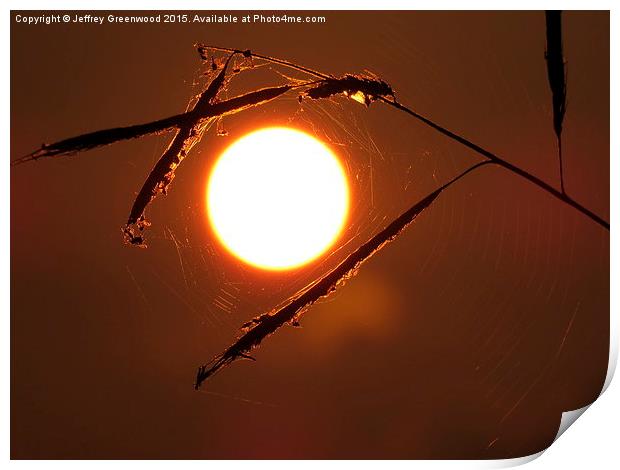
(465, 338)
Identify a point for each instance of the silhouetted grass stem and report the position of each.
(503, 163)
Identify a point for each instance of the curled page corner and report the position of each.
(568, 418)
(514, 462)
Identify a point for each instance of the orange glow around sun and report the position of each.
(277, 198)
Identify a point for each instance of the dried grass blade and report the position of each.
(264, 325)
(556, 72)
(210, 94)
(101, 138)
(163, 173)
(243, 102)
(556, 68)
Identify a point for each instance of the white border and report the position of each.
(592, 442)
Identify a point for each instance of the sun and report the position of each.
(277, 198)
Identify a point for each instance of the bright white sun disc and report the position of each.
(277, 198)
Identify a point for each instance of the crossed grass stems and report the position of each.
(207, 109)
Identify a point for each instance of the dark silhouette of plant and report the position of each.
(207, 108)
(557, 77)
